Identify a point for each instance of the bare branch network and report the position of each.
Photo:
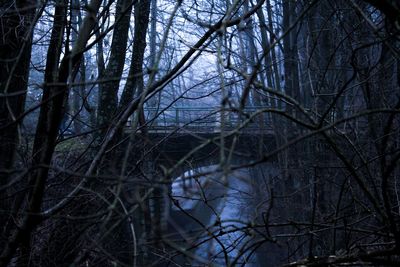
(199, 133)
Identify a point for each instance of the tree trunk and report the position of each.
(111, 76)
(134, 84)
(16, 31)
(155, 101)
(290, 52)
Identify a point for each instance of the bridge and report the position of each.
(205, 119)
(194, 136)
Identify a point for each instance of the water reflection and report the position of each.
(225, 206)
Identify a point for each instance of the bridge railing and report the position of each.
(207, 119)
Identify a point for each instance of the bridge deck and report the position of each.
(204, 120)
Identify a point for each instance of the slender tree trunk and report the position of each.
(291, 74)
(53, 60)
(134, 84)
(111, 76)
(155, 101)
(15, 53)
(274, 58)
(78, 91)
(16, 30)
(265, 46)
(290, 52)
